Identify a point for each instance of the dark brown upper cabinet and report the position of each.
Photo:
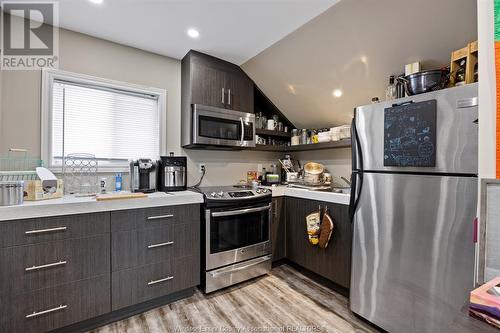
(211, 81)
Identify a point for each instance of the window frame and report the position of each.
(49, 76)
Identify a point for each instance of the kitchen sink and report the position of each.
(344, 190)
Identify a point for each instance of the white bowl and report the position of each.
(324, 138)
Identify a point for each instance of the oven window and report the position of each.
(232, 232)
(218, 128)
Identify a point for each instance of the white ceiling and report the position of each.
(234, 30)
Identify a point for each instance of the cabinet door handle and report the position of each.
(229, 97)
(152, 246)
(36, 314)
(160, 280)
(223, 97)
(42, 231)
(54, 264)
(160, 217)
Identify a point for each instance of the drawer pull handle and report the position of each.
(152, 246)
(54, 264)
(160, 217)
(160, 280)
(36, 314)
(42, 231)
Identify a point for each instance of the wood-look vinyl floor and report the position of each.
(282, 301)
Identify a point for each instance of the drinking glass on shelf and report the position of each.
(263, 122)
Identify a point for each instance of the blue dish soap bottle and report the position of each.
(118, 182)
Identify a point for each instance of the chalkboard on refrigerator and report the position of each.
(410, 135)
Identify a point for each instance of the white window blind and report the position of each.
(113, 125)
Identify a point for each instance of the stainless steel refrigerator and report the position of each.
(413, 202)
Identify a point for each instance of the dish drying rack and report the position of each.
(17, 165)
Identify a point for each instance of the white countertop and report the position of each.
(339, 198)
(70, 204)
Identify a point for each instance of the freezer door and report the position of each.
(413, 253)
(456, 132)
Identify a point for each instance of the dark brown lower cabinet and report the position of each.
(278, 229)
(43, 265)
(50, 308)
(137, 285)
(334, 262)
(50, 279)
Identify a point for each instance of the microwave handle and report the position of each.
(242, 131)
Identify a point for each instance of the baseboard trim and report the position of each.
(124, 313)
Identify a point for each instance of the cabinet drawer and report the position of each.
(47, 309)
(134, 248)
(31, 267)
(139, 247)
(138, 285)
(154, 217)
(46, 229)
(141, 284)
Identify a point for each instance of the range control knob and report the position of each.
(213, 194)
(264, 190)
(220, 194)
(259, 191)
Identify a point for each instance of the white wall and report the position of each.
(487, 101)
(487, 90)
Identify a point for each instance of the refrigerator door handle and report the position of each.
(355, 193)
(352, 198)
(357, 154)
(356, 146)
(353, 143)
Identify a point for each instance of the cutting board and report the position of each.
(119, 196)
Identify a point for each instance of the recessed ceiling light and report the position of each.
(193, 33)
(337, 93)
(96, 1)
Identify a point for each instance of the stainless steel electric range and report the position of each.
(236, 243)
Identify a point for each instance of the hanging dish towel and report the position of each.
(326, 230)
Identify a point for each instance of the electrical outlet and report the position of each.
(201, 167)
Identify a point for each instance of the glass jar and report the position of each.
(303, 135)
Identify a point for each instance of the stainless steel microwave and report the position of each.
(211, 126)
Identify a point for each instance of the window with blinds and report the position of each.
(114, 125)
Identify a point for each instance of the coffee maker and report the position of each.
(143, 175)
(173, 173)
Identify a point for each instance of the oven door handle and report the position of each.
(240, 268)
(241, 211)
